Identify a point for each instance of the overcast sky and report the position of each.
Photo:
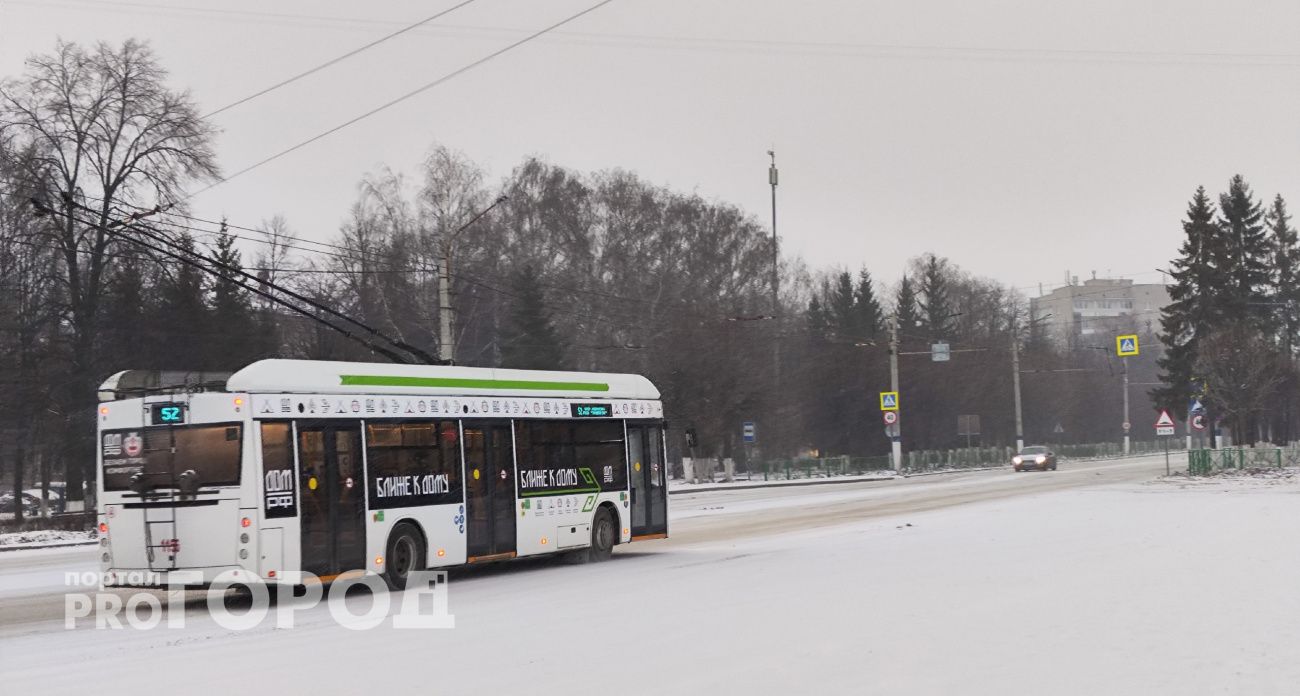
(1020, 139)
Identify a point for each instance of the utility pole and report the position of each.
(446, 349)
(897, 436)
(1127, 422)
(1015, 381)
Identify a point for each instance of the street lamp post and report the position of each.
(776, 273)
(896, 437)
(1015, 381)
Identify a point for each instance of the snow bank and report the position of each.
(45, 537)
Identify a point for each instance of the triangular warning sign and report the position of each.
(1164, 421)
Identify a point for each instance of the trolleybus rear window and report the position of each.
(160, 455)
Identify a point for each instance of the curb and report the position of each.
(782, 484)
(51, 545)
(819, 482)
(954, 471)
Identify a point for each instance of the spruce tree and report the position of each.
(183, 316)
(818, 326)
(936, 307)
(905, 307)
(530, 339)
(1246, 252)
(1286, 274)
(866, 307)
(839, 304)
(233, 326)
(1196, 302)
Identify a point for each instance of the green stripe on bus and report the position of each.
(465, 383)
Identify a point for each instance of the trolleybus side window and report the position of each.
(599, 446)
(559, 446)
(415, 463)
(161, 454)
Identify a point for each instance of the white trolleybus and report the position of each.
(336, 467)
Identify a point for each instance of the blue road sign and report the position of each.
(748, 432)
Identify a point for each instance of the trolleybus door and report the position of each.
(648, 480)
(333, 503)
(489, 490)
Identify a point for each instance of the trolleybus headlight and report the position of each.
(243, 553)
(103, 528)
(245, 522)
(105, 557)
(243, 538)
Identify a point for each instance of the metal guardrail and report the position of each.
(1203, 462)
(821, 467)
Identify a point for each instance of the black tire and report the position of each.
(604, 534)
(405, 554)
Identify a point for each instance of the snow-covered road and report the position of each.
(1084, 581)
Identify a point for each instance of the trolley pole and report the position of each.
(1015, 381)
(1126, 420)
(897, 437)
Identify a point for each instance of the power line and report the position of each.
(734, 44)
(339, 59)
(404, 97)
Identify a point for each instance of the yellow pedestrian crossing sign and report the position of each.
(1126, 345)
(888, 401)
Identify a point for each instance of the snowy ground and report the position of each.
(1092, 581)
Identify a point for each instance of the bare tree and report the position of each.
(106, 133)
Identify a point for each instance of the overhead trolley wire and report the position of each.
(393, 102)
(338, 59)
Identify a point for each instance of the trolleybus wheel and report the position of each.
(604, 535)
(405, 554)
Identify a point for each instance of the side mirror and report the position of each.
(137, 483)
(188, 482)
